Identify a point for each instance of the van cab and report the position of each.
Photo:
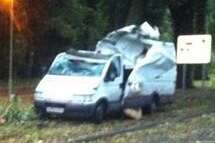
(81, 84)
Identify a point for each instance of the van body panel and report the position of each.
(151, 62)
(66, 88)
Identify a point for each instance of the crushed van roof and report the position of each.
(88, 54)
(133, 42)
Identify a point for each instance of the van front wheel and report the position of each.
(41, 115)
(99, 113)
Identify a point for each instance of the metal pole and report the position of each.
(10, 80)
(184, 72)
(204, 68)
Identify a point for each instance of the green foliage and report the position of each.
(15, 112)
(50, 27)
(166, 27)
(154, 11)
(190, 115)
(80, 24)
(211, 18)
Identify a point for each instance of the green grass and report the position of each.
(207, 84)
(23, 126)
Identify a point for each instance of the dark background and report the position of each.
(44, 28)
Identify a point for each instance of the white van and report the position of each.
(150, 65)
(81, 84)
(127, 70)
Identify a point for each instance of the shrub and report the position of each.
(16, 112)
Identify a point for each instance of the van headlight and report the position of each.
(89, 98)
(38, 95)
(82, 98)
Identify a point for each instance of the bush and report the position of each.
(15, 112)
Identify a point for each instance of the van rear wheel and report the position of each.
(153, 105)
(99, 113)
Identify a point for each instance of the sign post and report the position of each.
(184, 75)
(10, 78)
(193, 49)
(204, 75)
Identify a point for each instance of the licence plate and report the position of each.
(55, 110)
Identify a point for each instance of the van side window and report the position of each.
(112, 72)
(117, 64)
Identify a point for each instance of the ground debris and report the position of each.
(133, 113)
(2, 120)
(40, 141)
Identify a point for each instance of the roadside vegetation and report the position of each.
(44, 28)
(191, 118)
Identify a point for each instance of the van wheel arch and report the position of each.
(104, 102)
(153, 105)
(100, 110)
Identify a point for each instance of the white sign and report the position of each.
(194, 49)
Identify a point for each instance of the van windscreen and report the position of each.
(75, 67)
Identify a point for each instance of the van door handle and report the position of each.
(158, 76)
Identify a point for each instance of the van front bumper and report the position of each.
(69, 109)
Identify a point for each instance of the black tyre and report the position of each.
(42, 115)
(153, 106)
(99, 113)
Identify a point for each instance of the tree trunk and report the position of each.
(111, 13)
(122, 11)
(118, 11)
(199, 28)
(4, 36)
(200, 16)
(36, 17)
(136, 13)
(147, 10)
(182, 16)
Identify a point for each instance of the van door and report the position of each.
(114, 79)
